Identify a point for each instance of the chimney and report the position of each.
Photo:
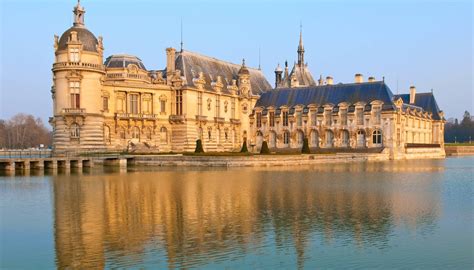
(371, 79)
(359, 78)
(329, 80)
(412, 94)
(170, 60)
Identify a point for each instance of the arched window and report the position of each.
(259, 139)
(329, 138)
(344, 138)
(122, 134)
(200, 132)
(360, 138)
(300, 137)
(286, 137)
(75, 131)
(377, 137)
(135, 133)
(107, 134)
(163, 135)
(148, 133)
(314, 138)
(272, 139)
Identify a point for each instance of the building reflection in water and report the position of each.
(190, 218)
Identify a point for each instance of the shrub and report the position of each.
(305, 149)
(199, 148)
(244, 147)
(264, 150)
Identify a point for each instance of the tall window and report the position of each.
(179, 102)
(328, 117)
(232, 108)
(199, 103)
(271, 116)
(377, 115)
(163, 135)
(259, 119)
(313, 118)
(163, 106)
(75, 131)
(135, 133)
(74, 55)
(285, 118)
(105, 104)
(133, 103)
(299, 119)
(343, 114)
(74, 88)
(218, 107)
(360, 116)
(377, 137)
(286, 137)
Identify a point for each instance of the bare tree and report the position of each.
(23, 131)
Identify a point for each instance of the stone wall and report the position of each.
(459, 150)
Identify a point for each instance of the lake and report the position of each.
(398, 214)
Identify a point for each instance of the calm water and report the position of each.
(416, 214)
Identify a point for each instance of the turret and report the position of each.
(278, 73)
(77, 74)
(244, 80)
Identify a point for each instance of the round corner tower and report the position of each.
(78, 72)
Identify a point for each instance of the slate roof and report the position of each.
(122, 61)
(329, 94)
(425, 101)
(191, 64)
(89, 41)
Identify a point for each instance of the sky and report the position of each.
(428, 44)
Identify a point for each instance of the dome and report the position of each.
(244, 70)
(89, 41)
(122, 61)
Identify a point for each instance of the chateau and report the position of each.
(116, 103)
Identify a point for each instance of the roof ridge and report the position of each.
(215, 59)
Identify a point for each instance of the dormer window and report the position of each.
(74, 55)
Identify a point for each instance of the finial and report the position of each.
(259, 58)
(243, 62)
(181, 35)
(286, 63)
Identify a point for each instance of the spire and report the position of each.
(301, 48)
(79, 14)
(181, 50)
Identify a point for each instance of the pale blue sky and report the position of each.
(424, 43)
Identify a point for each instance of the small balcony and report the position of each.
(219, 120)
(201, 118)
(177, 119)
(73, 111)
(235, 121)
(136, 116)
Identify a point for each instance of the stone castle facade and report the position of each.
(117, 104)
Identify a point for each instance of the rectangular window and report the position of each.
(179, 102)
(232, 108)
(271, 116)
(377, 115)
(163, 106)
(133, 104)
(74, 55)
(285, 118)
(105, 104)
(259, 120)
(328, 117)
(314, 121)
(199, 103)
(299, 119)
(343, 114)
(74, 88)
(360, 116)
